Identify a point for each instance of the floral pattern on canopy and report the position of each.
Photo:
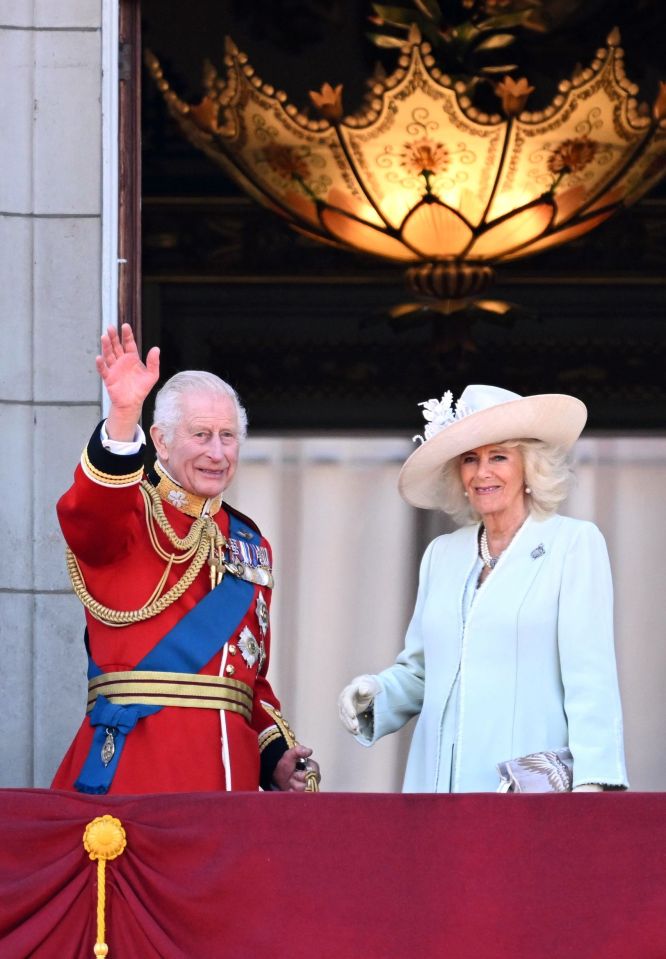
(420, 175)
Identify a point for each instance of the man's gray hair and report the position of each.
(168, 410)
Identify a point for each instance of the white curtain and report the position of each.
(347, 549)
(622, 488)
(344, 556)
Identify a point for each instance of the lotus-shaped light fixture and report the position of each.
(423, 177)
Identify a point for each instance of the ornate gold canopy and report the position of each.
(420, 175)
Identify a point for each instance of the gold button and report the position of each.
(232, 649)
(230, 670)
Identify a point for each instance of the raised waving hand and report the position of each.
(128, 380)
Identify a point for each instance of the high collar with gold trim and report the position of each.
(189, 503)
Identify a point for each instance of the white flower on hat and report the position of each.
(439, 414)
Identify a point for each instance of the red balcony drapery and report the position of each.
(211, 876)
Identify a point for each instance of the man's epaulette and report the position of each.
(243, 518)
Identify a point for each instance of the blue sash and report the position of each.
(186, 648)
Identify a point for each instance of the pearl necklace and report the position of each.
(488, 560)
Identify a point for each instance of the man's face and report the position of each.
(202, 454)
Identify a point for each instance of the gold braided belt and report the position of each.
(191, 690)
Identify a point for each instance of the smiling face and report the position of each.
(494, 479)
(202, 454)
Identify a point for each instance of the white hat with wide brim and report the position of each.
(489, 415)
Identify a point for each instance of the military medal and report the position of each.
(262, 614)
(249, 562)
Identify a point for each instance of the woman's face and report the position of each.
(494, 479)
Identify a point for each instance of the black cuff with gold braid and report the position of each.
(110, 469)
(271, 755)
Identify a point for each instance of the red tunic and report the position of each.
(177, 749)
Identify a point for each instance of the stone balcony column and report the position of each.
(50, 297)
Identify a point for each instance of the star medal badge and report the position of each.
(248, 646)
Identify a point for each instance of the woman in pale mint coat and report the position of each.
(510, 649)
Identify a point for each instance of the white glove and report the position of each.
(588, 788)
(355, 699)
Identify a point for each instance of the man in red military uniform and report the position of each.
(177, 590)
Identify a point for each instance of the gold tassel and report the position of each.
(104, 839)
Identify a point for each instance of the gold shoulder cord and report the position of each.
(203, 542)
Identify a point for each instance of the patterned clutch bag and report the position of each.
(548, 772)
